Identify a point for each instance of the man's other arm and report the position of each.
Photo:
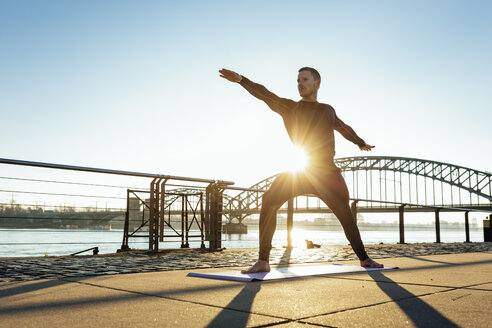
(348, 133)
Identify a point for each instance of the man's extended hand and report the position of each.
(230, 75)
(366, 147)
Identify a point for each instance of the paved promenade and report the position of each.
(446, 285)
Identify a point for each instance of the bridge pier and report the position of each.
(290, 221)
(467, 228)
(354, 210)
(402, 224)
(438, 227)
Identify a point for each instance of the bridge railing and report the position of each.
(292, 206)
(420, 207)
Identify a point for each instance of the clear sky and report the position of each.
(133, 85)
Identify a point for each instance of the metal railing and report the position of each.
(214, 189)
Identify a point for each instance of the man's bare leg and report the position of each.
(259, 266)
(370, 263)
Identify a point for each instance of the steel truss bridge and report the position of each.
(383, 184)
(376, 184)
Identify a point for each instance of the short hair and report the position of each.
(314, 72)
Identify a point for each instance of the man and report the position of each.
(311, 125)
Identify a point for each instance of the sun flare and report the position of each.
(297, 159)
(298, 237)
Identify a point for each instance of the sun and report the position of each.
(297, 159)
(299, 236)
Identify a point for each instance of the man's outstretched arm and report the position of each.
(277, 104)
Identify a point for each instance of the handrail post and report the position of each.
(185, 223)
(124, 244)
(438, 227)
(353, 207)
(206, 223)
(219, 202)
(154, 215)
(214, 214)
(202, 220)
(183, 211)
(290, 221)
(401, 223)
(161, 210)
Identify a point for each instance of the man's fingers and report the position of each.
(225, 71)
(229, 75)
(367, 147)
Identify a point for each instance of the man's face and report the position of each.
(306, 84)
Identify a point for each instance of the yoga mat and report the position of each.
(285, 272)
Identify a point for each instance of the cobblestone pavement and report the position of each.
(33, 268)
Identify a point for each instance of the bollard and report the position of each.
(487, 231)
(438, 227)
(467, 228)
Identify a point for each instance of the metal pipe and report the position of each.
(187, 223)
(95, 251)
(425, 189)
(401, 189)
(202, 220)
(367, 192)
(385, 187)
(161, 210)
(245, 189)
(183, 213)
(124, 244)
(409, 187)
(107, 171)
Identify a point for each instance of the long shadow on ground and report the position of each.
(26, 287)
(421, 313)
(243, 302)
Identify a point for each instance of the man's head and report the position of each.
(308, 82)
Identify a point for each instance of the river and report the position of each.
(41, 242)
